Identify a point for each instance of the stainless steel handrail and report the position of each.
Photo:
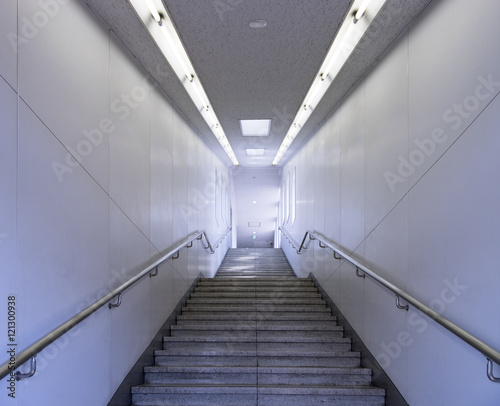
(490, 353)
(49, 338)
(219, 241)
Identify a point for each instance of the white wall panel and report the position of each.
(352, 157)
(443, 272)
(181, 206)
(352, 293)
(388, 338)
(129, 157)
(202, 205)
(63, 261)
(386, 122)
(8, 184)
(332, 178)
(8, 42)
(161, 172)
(130, 330)
(450, 85)
(192, 219)
(76, 111)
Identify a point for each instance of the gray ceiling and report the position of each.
(257, 73)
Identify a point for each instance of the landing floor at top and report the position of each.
(255, 263)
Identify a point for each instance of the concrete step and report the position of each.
(257, 338)
(261, 300)
(193, 395)
(275, 358)
(269, 316)
(261, 345)
(257, 282)
(263, 395)
(286, 324)
(300, 395)
(257, 308)
(249, 294)
(254, 289)
(262, 333)
(257, 325)
(262, 375)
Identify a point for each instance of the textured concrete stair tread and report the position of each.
(191, 316)
(276, 309)
(193, 388)
(259, 289)
(257, 339)
(264, 389)
(262, 361)
(257, 323)
(253, 283)
(244, 326)
(253, 297)
(299, 345)
(259, 369)
(320, 389)
(262, 353)
(257, 300)
(270, 279)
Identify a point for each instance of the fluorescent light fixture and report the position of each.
(358, 19)
(256, 151)
(254, 202)
(253, 224)
(361, 11)
(155, 18)
(255, 128)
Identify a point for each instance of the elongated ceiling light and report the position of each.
(155, 17)
(357, 21)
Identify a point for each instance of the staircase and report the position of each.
(256, 335)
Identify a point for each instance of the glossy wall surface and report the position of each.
(98, 174)
(404, 175)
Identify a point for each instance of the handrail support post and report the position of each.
(489, 372)
(20, 376)
(155, 273)
(360, 275)
(117, 304)
(400, 306)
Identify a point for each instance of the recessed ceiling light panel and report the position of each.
(256, 151)
(255, 128)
